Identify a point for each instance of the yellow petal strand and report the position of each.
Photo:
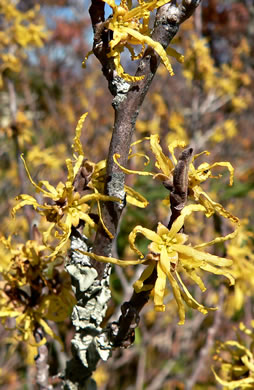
(159, 289)
(165, 266)
(64, 239)
(129, 171)
(47, 233)
(198, 155)
(9, 313)
(139, 11)
(77, 146)
(172, 146)
(98, 196)
(140, 155)
(188, 298)
(149, 234)
(70, 176)
(164, 163)
(135, 198)
(100, 166)
(49, 331)
(139, 284)
(221, 271)
(111, 3)
(120, 70)
(49, 187)
(212, 207)
(218, 239)
(27, 200)
(234, 384)
(154, 44)
(42, 342)
(247, 361)
(202, 256)
(160, 3)
(178, 298)
(111, 260)
(138, 142)
(86, 58)
(78, 164)
(38, 188)
(191, 273)
(242, 348)
(173, 53)
(186, 211)
(227, 165)
(101, 219)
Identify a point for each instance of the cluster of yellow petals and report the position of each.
(29, 292)
(64, 207)
(169, 255)
(226, 81)
(197, 176)
(237, 369)
(130, 26)
(19, 30)
(241, 250)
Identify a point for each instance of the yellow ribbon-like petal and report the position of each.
(111, 260)
(159, 289)
(149, 234)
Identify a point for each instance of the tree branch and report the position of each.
(41, 361)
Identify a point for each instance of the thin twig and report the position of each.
(42, 373)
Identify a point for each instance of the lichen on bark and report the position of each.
(90, 342)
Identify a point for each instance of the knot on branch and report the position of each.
(122, 333)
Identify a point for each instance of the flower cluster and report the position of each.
(35, 288)
(130, 26)
(169, 253)
(19, 30)
(68, 204)
(236, 361)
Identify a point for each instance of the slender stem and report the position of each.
(42, 373)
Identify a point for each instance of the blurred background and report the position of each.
(208, 104)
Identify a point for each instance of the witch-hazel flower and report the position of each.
(64, 205)
(169, 254)
(196, 176)
(130, 27)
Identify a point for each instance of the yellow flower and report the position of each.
(241, 250)
(31, 291)
(237, 365)
(197, 176)
(131, 27)
(20, 30)
(169, 254)
(65, 207)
